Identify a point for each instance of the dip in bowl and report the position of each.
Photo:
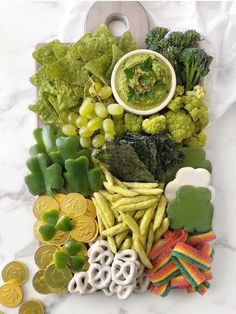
(143, 82)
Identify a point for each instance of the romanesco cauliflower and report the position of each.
(133, 123)
(198, 91)
(198, 140)
(179, 91)
(155, 124)
(179, 125)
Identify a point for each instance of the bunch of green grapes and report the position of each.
(94, 123)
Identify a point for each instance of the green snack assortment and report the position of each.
(118, 160)
(192, 209)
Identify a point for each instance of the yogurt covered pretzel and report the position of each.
(79, 283)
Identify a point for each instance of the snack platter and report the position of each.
(123, 195)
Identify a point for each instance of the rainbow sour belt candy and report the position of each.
(192, 255)
(162, 290)
(179, 264)
(202, 237)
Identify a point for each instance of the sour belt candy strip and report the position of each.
(161, 260)
(205, 248)
(179, 282)
(192, 255)
(167, 272)
(162, 290)
(190, 272)
(208, 274)
(171, 239)
(202, 237)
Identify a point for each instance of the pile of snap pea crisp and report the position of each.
(124, 202)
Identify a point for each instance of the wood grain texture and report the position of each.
(131, 12)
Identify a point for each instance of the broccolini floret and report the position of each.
(195, 65)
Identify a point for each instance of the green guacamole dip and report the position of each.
(143, 81)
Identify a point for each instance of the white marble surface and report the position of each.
(22, 26)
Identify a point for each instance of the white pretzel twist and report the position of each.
(126, 256)
(79, 283)
(140, 269)
(123, 273)
(142, 284)
(112, 289)
(125, 291)
(98, 255)
(102, 244)
(99, 276)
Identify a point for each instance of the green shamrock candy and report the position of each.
(47, 232)
(95, 179)
(43, 178)
(50, 217)
(68, 148)
(194, 157)
(39, 147)
(45, 140)
(76, 177)
(192, 209)
(64, 224)
(72, 247)
(77, 262)
(61, 259)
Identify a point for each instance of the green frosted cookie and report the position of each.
(192, 209)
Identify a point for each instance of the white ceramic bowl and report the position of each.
(126, 106)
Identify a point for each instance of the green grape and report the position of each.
(95, 88)
(81, 122)
(86, 107)
(91, 115)
(98, 140)
(69, 129)
(115, 109)
(85, 132)
(85, 142)
(109, 136)
(94, 124)
(72, 117)
(100, 110)
(108, 126)
(105, 92)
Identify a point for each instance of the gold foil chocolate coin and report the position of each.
(11, 294)
(57, 278)
(15, 271)
(43, 204)
(74, 204)
(32, 307)
(85, 229)
(91, 209)
(39, 282)
(44, 255)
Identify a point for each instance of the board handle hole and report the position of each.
(117, 24)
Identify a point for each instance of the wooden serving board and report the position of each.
(131, 13)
